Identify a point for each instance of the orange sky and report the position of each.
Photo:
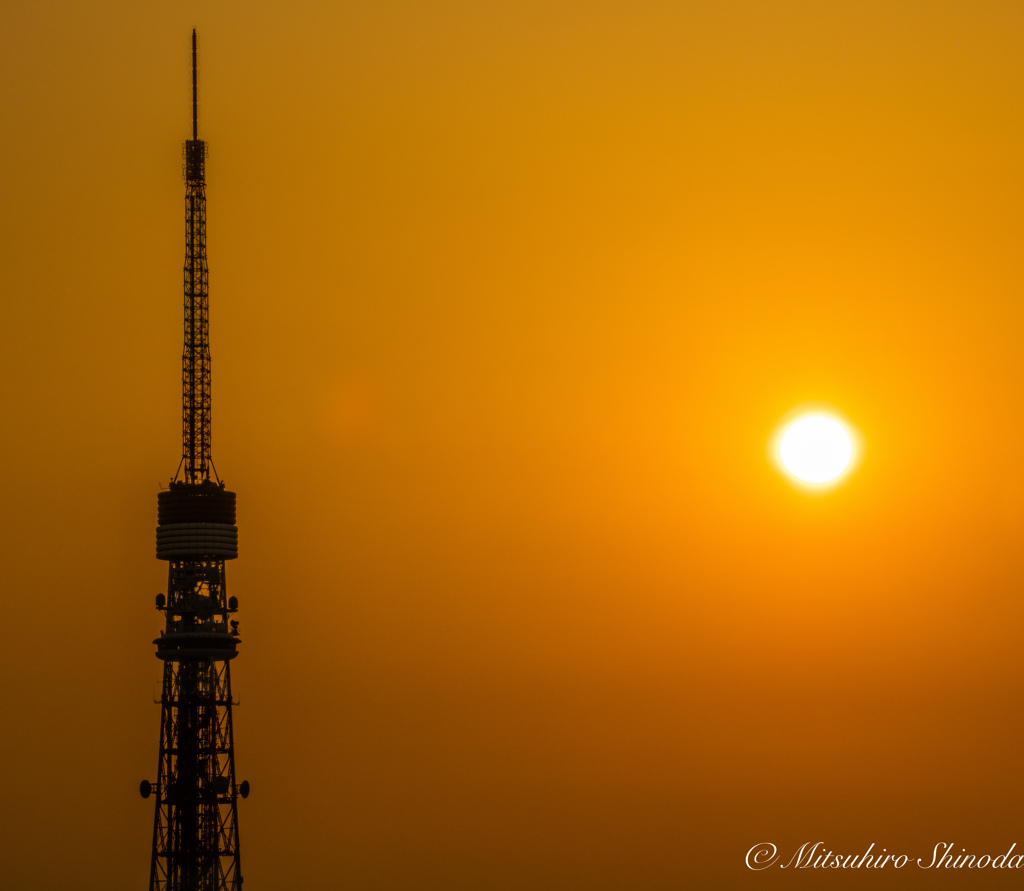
(506, 300)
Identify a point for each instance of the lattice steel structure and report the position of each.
(195, 827)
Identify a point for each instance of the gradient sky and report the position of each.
(506, 300)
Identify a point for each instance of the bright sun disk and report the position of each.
(816, 449)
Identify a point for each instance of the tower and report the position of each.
(195, 827)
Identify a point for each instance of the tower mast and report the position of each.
(195, 358)
(195, 826)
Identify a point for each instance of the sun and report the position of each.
(816, 449)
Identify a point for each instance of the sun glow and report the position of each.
(816, 450)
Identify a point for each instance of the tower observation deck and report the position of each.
(195, 826)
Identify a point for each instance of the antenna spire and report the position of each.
(195, 91)
(195, 360)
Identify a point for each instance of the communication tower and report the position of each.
(195, 827)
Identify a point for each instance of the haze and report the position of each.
(506, 300)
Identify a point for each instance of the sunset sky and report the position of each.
(507, 300)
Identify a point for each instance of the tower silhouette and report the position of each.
(195, 827)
